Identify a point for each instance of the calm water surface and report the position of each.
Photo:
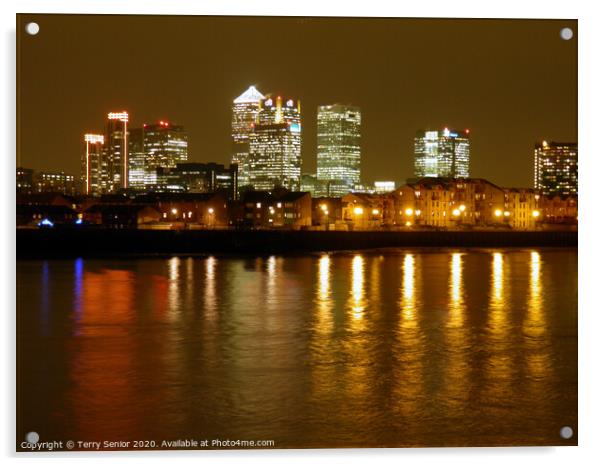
(392, 348)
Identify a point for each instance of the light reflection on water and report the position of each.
(395, 348)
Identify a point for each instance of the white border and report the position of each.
(590, 151)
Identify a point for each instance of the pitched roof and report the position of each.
(45, 209)
(117, 208)
(151, 198)
(249, 96)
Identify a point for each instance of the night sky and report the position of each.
(512, 82)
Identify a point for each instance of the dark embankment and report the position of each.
(98, 242)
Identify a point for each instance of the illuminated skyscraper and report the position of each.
(556, 167)
(137, 157)
(339, 153)
(443, 154)
(94, 168)
(165, 145)
(275, 146)
(244, 112)
(116, 150)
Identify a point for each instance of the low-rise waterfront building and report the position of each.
(44, 215)
(522, 210)
(559, 210)
(267, 209)
(450, 203)
(209, 210)
(363, 211)
(327, 212)
(120, 215)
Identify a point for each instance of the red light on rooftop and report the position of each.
(467, 131)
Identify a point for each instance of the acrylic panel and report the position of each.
(295, 232)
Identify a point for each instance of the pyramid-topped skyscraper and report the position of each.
(244, 112)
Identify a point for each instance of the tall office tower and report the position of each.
(275, 146)
(244, 112)
(165, 145)
(339, 152)
(137, 158)
(116, 150)
(556, 168)
(94, 168)
(444, 154)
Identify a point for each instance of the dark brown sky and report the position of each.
(511, 82)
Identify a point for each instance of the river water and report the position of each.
(358, 349)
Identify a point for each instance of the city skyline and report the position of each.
(391, 76)
(451, 158)
(270, 133)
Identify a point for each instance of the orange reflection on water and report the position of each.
(535, 324)
(173, 289)
(455, 393)
(209, 288)
(497, 315)
(189, 289)
(409, 351)
(100, 371)
(456, 291)
(357, 301)
(408, 299)
(374, 283)
(323, 297)
(107, 302)
(537, 348)
(500, 367)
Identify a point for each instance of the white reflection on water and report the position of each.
(456, 291)
(173, 289)
(408, 301)
(498, 310)
(210, 292)
(357, 287)
(271, 279)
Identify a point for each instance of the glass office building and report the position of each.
(444, 154)
(94, 169)
(339, 152)
(116, 151)
(137, 157)
(244, 113)
(556, 168)
(275, 145)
